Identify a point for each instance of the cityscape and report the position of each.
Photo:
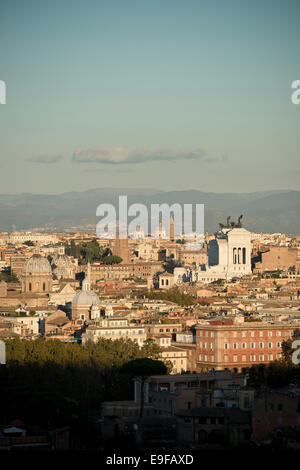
(217, 322)
(149, 232)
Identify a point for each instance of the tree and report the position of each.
(286, 346)
(111, 259)
(143, 368)
(28, 243)
(8, 277)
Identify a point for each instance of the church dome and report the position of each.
(61, 261)
(37, 264)
(86, 297)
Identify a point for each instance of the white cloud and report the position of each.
(44, 159)
(119, 155)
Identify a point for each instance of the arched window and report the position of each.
(29, 286)
(44, 286)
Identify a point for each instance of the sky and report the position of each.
(164, 94)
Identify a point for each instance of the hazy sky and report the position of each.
(168, 94)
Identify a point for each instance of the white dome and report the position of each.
(61, 261)
(37, 264)
(86, 297)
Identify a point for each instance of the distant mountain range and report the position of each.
(265, 211)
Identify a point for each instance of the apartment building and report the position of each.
(226, 345)
(114, 328)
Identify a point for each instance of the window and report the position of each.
(261, 345)
(252, 345)
(278, 344)
(244, 345)
(226, 346)
(244, 334)
(270, 357)
(261, 333)
(278, 333)
(202, 420)
(234, 358)
(235, 345)
(244, 358)
(234, 256)
(252, 334)
(270, 345)
(246, 402)
(261, 357)
(270, 333)
(244, 255)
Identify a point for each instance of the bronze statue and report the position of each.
(229, 224)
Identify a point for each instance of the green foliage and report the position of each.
(171, 264)
(273, 274)
(217, 282)
(171, 295)
(111, 259)
(144, 367)
(276, 374)
(88, 373)
(28, 243)
(90, 252)
(286, 346)
(8, 277)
